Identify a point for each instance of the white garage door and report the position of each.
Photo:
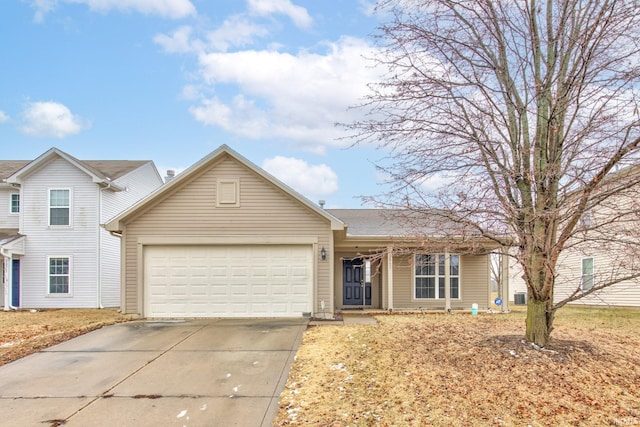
(228, 281)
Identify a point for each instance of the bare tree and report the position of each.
(511, 118)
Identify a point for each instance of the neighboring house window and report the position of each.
(59, 275)
(430, 277)
(15, 203)
(586, 281)
(59, 207)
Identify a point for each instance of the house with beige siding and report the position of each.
(578, 270)
(227, 239)
(53, 251)
(605, 249)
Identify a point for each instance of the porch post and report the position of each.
(390, 277)
(447, 280)
(6, 271)
(504, 278)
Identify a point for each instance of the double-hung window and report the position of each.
(15, 203)
(431, 277)
(59, 207)
(586, 281)
(59, 275)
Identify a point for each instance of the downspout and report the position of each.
(99, 249)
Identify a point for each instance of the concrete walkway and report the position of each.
(184, 373)
(347, 319)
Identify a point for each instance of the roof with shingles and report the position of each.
(7, 236)
(9, 167)
(391, 222)
(111, 169)
(114, 169)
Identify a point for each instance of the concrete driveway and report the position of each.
(155, 373)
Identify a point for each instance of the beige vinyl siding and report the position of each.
(190, 210)
(611, 225)
(516, 281)
(613, 260)
(569, 272)
(626, 293)
(474, 288)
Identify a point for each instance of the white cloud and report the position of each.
(435, 183)
(235, 31)
(4, 117)
(42, 7)
(309, 180)
(298, 97)
(190, 93)
(368, 7)
(173, 9)
(241, 117)
(179, 41)
(51, 119)
(297, 14)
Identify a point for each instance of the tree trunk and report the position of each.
(539, 321)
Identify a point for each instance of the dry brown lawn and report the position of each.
(463, 370)
(26, 332)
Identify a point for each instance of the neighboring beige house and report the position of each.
(606, 248)
(226, 239)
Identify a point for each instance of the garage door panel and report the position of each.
(228, 281)
(217, 290)
(299, 290)
(239, 290)
(260, 272)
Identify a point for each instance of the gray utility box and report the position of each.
(520, 298)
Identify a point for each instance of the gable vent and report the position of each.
(228, 193)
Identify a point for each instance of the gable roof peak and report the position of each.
(101, 171)
(224, 149)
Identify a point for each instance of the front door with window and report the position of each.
(15, 283)
(354, 289)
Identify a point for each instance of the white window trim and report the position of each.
(70, 225)
(11, 212)
(437, 298)
(593, 272)
(56, 295)
(227, 203)
(459, 277)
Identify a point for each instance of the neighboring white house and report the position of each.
(54, 251)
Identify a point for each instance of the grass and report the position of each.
(433, 369)
(463, 370)
(26, 332)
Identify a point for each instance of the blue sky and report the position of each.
(171, 80)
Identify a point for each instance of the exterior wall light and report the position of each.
(323, 254)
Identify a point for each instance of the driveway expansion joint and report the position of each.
(106, 393)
